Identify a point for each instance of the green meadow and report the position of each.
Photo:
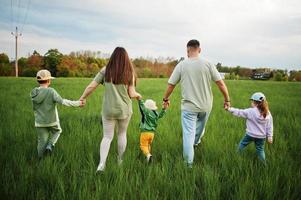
(219, 171)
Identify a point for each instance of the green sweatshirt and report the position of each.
(44, 106)
(149, 118)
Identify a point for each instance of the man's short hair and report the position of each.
(193, 43)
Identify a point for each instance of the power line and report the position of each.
(25, 15)
(19, 13)
(11, 26)
(11, 14)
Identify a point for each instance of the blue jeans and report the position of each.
(259, 144)
(193, 125)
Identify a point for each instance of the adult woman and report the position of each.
(118, 78)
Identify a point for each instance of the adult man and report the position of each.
(195, 75)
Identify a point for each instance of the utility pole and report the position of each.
(16, 34)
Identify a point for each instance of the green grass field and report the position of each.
(219, 172)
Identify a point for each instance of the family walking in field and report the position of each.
(194, 74)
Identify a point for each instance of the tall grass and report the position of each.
(219, 172)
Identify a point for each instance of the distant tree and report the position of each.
(6, 68)
(219, 66)
(245, 72)
(64, 71)
(146, 73)
(298, 76)
(52, 58)
(22, 64)
(92, 70)
(35, 60)
(67, 66)
(236, 69)
(278, 76)
(231, 76)
(30, 72)
(293, 74)
(285, 78)
(91, 60)
(35, 53)
(4, 58)
(101, 62)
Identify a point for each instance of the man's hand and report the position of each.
(270, 140)
(168, 92)
(227, 105)
(165, 104)
(224, 90)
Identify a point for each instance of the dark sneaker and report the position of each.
(48, 152)
(195, 146)
(189, 165)
(49, 149)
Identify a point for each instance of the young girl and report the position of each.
(259, 123)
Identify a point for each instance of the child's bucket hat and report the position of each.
(150, 104)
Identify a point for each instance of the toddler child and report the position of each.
(148, 125)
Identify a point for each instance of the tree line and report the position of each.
(80, 64)
(88, 63)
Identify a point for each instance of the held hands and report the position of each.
(138, 96)
(165, 103)
(227, 105)
(82, 102)
(270, 140)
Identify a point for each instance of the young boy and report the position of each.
(148, 125)
(44, 99)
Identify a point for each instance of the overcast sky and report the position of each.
(251, 33)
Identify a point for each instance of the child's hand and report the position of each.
(165, 106)
(270, 140)
(82, 103)
(227, 105)
(138, 96)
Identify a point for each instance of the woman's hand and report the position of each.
(139, 97)
(82, 102)
(132, 92)
(89, 89)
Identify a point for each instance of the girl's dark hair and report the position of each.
(120, 69)
(263, 107)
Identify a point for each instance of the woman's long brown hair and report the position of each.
(120, 70)
(263, 107)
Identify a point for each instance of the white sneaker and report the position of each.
(149, 158)
(100, 168)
